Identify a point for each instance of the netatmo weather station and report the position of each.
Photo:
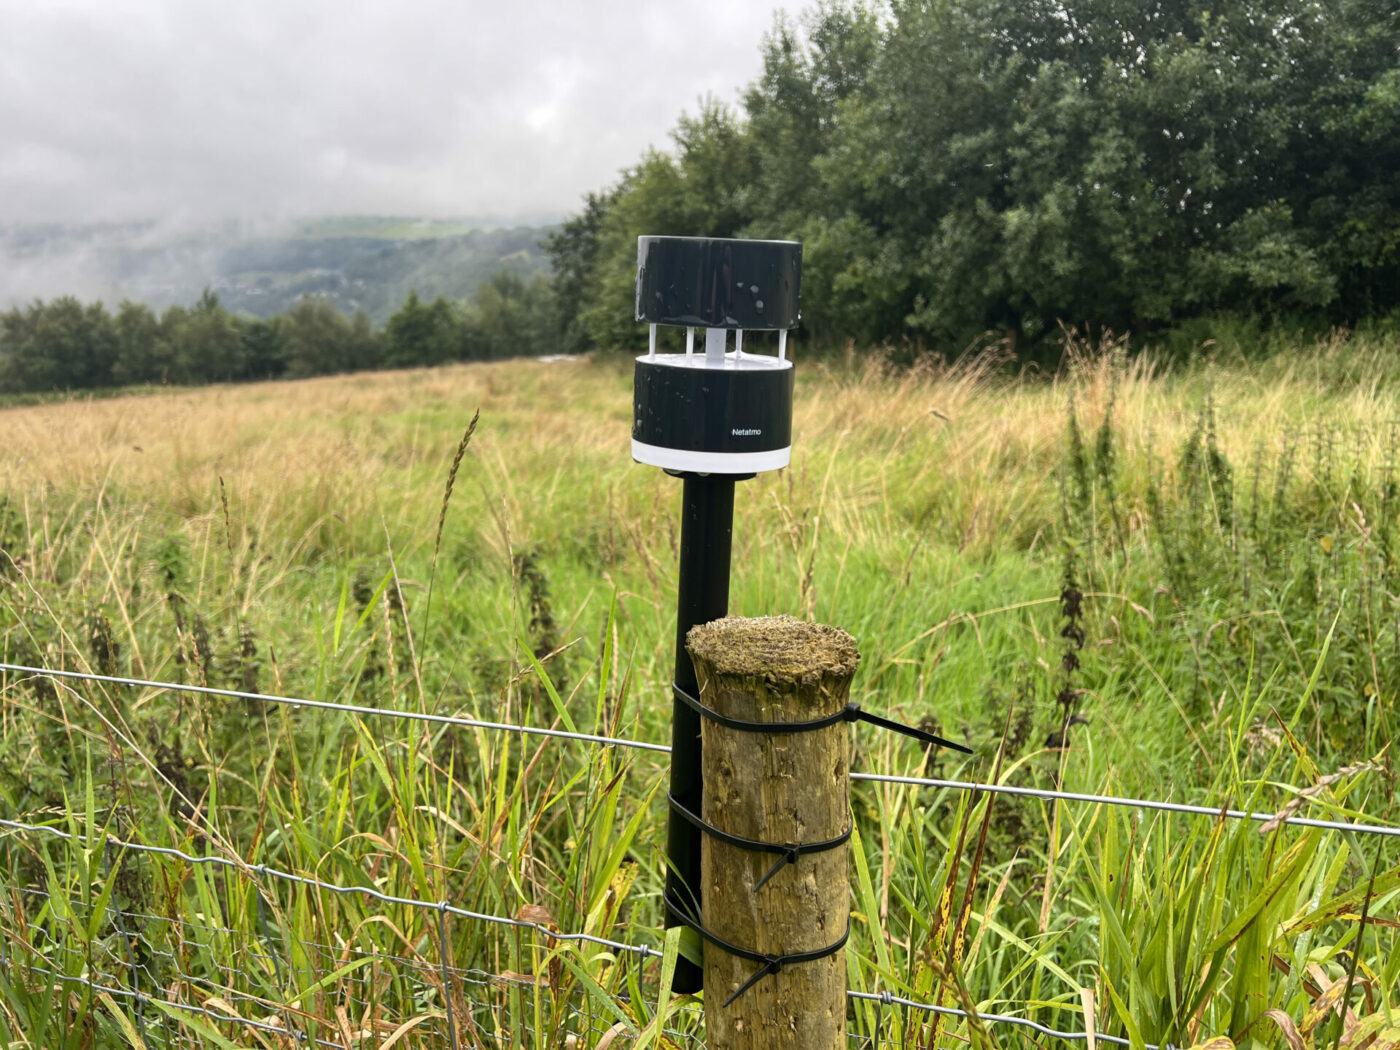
(713, 415)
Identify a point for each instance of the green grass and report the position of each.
(1229, 525)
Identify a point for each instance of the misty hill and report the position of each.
(351, 262)
(266, 277)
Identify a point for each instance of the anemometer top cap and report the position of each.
(716, 410)
(712, 282)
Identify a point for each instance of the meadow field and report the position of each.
(1172, 583)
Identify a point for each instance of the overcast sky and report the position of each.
(197, 111)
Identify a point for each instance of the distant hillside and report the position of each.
(353, 262)
(265, 277)
(390, 227)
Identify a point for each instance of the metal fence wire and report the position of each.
(178, 979)
(1224, 812)
(182, 978)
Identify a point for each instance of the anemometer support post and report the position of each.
(713, 415)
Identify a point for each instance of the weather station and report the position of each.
(711, 416)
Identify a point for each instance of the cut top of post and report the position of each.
(776, 648)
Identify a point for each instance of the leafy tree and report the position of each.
(366, 347)
(142, 354)
(702, 191)
(58, 345)
(573, 253)
(961, 166)
(422, 335)
(183, 366)
(15, 335)
(510, 317)
(212, 345)
(66, 345)
(318, 339)
(264, 348)
(810, 68)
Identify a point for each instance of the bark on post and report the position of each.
(782, 788)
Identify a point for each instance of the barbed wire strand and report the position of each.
(884, 998)
(442, 908)
(262, 870)
(642, 745)
(421, 965)
(175, 1004)
(214, 1015)
(887, 999)
(93, 976)
(419, 968)
(485, 978)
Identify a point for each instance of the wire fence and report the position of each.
(170, 969)
(1224, 812)
(267, 980)
(166, 969)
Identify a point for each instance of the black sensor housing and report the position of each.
(715, 409)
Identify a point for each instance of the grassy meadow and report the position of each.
(1186, 575)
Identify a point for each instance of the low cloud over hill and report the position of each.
(262, 269)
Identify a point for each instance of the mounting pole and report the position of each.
(707, 526)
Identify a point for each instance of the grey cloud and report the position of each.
(136, 109)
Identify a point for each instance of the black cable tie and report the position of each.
(900, 727)
(850, 713)
(789, 856)
(788, 852)
(759, 727)
(768, 963)
(772, 966)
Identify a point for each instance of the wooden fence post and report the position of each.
(783, 789)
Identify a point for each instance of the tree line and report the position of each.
(959, 167)
(64, 344)
(953, 168)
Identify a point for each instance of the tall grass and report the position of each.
(1227, 528)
